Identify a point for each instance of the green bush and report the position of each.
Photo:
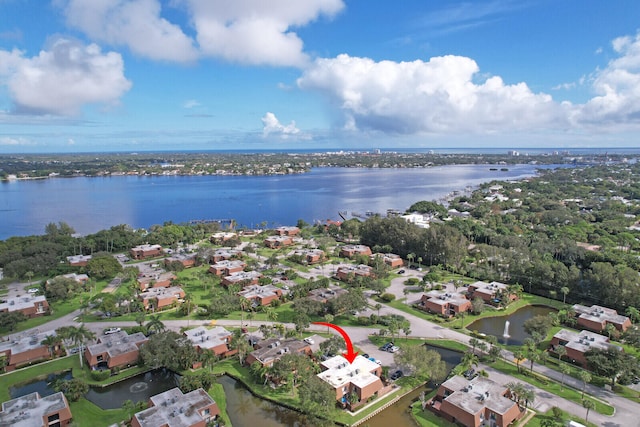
(100, 375)
(387, 297)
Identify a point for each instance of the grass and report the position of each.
(551, 386)
(217, 393)
(428, 419)
(537, 420)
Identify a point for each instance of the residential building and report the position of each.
(274, 242)
(79, 260)
(261, 295)
(227, 267)
(222, 236)
(216, 339)
(161, 298)
(244, 278)
(361, 378)
(578, 343)
(419, 220)
(474, 403)
(310, 256)
(350, 251)
(32, 410)
(157, 279)
(225, 253)
(268, 351)
(187, 260)
(27, 349)
(176, 409)
(29, 305)
(596, 318)
(491, 293)
(115, 350)
(81, 279)
(350, 272)
(146, 251)
(444, 303)
(287, 231)
(323, 295)
(392, 260)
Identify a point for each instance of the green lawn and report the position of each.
(550, 386)
(537, 420)
(428, 419)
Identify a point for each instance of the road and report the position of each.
(626, 410)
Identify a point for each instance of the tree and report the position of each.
(29, 275)
(73, 389)
(565, 290)
(585, 376)
(170, 350)
(10, 319)
(52, 342)
(566, 370)
(316, 396)
(537, 327)
(103, 267)
(519, 356)
(560, 351)
(423, 363)
(633, 314)
(155, 325)
(612, 363)
(470, 359)
(477, 305)
(76, 334)
(589, 405)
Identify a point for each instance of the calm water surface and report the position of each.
(93, 204)
(496, 325)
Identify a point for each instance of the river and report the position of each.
(96, 203)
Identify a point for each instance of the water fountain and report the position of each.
(506, 329)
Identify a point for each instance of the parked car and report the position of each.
(401, 271)
(111, 331)
(387, 346)
(469, 373)
(33, 290)
(393, 349)
(397, 374)
(309, 340)
(373, 359)
(366, 355)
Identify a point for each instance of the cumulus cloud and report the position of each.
(256, 32)
(617, 87)
(191, 103)
(59, 81)
(272, 126)
(136, 24)
(435, 96)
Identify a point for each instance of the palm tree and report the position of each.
(589, 405)
(29, 275)
(566, 370)
(244, 305)
(585, 376)
(410, 258)
(208, 359)
(328, 318)
(633, 314)
(610, 329)
(52, 342)
(155, 324)
(529, 396)
(519, 357)
(474, 343)
(272, 314)
(565, 290)
(470, 359)
(561, 351)
(378, 307)
(77, 335)
(419, 262)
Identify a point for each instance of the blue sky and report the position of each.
(139, 75)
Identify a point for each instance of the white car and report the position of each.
(309, 340)
(393, 349)
(33, 290)
(111, 331)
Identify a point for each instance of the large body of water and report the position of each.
(93, 204)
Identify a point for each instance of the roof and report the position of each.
(474, 395)
(171, 291)
(28, 411)
(243, 275)
(22, 303)
(323, 294)
(584, 341)
(208, 338)
(599, 314)
(175, 409)
(147, 248)
(25, 342)
(488, 288)
(257, 291)
(340, 372)
(444, 297)
(274, 348)
(117, 343)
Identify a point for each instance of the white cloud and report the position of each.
(435, 96)
(5, 140)
(191, 103)
(617, 87)
(136, 24)
(256, 32)
(61, 80)
(272, 126)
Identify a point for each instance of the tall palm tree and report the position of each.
(565, 290)
(244, 305)
(78, 335)
(52, 342)
(561, 351)
(566, 370)
(519, 357)
(589, 405)
(585, 376)
(155, 324)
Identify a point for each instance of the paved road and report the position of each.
(627, 412)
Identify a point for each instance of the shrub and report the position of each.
(387, 297)
(100, 375)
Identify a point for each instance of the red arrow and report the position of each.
(349, 355)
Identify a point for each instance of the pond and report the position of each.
(138, 388)
(44, 387)
(509, 329)
(399, 413)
